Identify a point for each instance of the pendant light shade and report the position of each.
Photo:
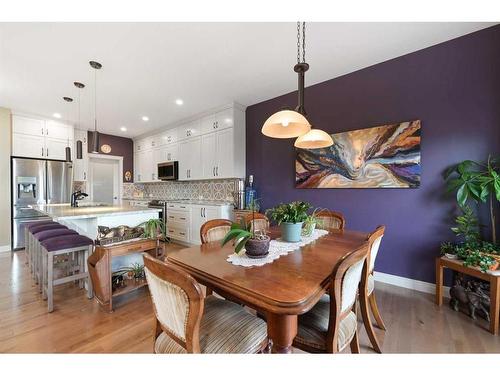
(79, 148)
(286, 124)
(95, 142)
(315, 138)
(95, 135)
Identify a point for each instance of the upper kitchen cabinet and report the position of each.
(188, 130)
(218, 121)
(169, 137)
(38, 138)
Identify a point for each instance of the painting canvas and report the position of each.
(385, 156)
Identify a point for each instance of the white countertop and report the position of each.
(68, 212)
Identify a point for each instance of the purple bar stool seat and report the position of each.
(27, 249)
(41, 228)
(78, 247)
(36, 223)
(46, 234)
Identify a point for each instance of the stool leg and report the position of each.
(90, 291)
(44, 273)
(80, 255)
(50, 281)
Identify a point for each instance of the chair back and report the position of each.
(347, 276)
(374, 239)
(330, 220)
(257, 221)
(214, 230)
(177, 301)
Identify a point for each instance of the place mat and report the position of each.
(277, 248)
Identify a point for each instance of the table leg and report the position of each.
(281, 329)
(439, 282)
(494, 304)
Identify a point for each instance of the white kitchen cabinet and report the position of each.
(189, 130)
(80, 166)
(58, 130)
(167, 153)
(200, 214)
(168, 137)
(28, 126)
(190, 167)
(56, 148)
(217, 121)
(218, 154)
(209, 152)
(30, 146)
(140, 145)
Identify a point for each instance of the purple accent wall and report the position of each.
(120, 146)
(453, 88)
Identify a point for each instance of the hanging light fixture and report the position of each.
(79, 145)
(293, 123)
(95, 134)
(68, 149)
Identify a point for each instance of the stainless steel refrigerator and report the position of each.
(36, 182)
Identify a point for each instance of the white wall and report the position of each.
(5, 147)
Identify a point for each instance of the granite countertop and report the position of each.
(67, 212)
(203, 202)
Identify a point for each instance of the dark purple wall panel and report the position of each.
(453, 88)
(120, 146)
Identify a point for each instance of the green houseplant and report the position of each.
(290, 217)
(255, 242)
(310, 222)
(154, 228)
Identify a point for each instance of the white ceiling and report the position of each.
(146, 66)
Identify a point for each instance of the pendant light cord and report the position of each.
(303, 44)
(95, 99)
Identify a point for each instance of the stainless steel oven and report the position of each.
(168, 170)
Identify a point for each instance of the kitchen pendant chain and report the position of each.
(303, 42)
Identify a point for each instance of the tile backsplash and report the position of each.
(204, 189)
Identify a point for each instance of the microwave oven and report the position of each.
(168, 171)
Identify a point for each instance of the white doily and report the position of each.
(277, 248)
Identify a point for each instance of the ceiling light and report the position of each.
(145, 118)
(286, 124)
(179, 101)
(123, 129)
(57, 115)
(315, 138)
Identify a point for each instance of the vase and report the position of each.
(257, 248)
(291, 232)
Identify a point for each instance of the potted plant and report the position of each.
(138, 270)
(310, 223)
(255, 242)
(153, 228)
(290, 217)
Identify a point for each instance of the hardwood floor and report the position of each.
(414, 323)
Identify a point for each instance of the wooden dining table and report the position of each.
(289, 286)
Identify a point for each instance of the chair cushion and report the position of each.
(313, 327)
(46, 234)
(41, 228)
(225, 328)
(66, 242)
(371, 284)
(37, 223)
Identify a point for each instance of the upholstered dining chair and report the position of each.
(331, 324)
(367, 294)
(330, 220)
(214, 230)
(188, 323)
(258, 221)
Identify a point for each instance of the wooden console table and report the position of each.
(494, 280)
(99, 265)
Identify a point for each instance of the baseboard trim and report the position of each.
(5, 248)
(404, 282)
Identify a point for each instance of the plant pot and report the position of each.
(451, 256)
(494, 266)
(291, 232)
(257, 248)
(308, 229)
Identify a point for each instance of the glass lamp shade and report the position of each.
(286, 124)
(315, 138)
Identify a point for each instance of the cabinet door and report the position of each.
(211, 213)
(30, 146)
(170, 153)
(224, 119)
(195, 169)
(207, 124)
(189, 130)
(209, 155)
(169, 137)
(184, 160)
(58, 130)
(28, 126)
(147, 169)
(197, 220)
(56, 149)
(225, 154)
(138, 161)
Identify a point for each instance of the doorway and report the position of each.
(105, 178)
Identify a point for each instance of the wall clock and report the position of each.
(106, 149)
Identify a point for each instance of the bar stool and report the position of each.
(42, 236)
(71, 244)
(27, 226)
(35, 266)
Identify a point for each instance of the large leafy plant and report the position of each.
(475, 181)
(153, 228)
(294, 212)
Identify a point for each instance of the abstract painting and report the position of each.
(385, 156)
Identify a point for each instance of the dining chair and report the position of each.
(258, 221)
(331, 324)
(367, 294)
(188, 323)
(327, 219)
(214, 230)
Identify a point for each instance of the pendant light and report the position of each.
(95, 134)
(79, 145)
(68, 149)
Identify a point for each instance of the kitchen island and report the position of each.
(86, 219)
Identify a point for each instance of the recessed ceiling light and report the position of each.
(57, 115)
(179, 101)
(123, 129)
(145, 118)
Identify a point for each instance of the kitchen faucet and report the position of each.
(76, 196)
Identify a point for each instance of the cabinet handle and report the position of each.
(217, 170)
(47, 152)
(216, 124)
(42, 131)
(182, 233)
(42, 149)
(201, 212)
(152, 176)
(84, 175)
(213, 171)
